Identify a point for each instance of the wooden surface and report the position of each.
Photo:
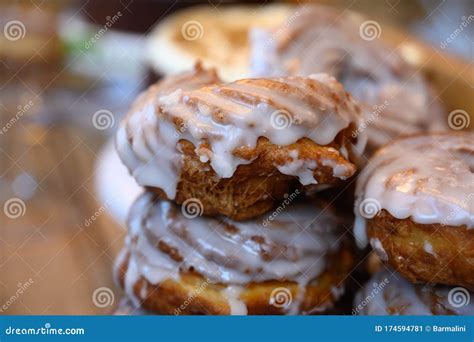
(66, 258)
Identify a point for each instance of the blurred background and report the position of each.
(58, 238)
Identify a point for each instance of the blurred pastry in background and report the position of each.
(393, 94)
(30, 48)
(388, 293)
(219, 37)
(415, 205)
(239, 148)
(176, 262)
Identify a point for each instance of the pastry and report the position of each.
(394, 97)
(239, 147)
(415, 204)
(388, 293)
(126, 308)
(219, 37)
(288, 263)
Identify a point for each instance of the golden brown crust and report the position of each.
(255, 187)
(174, 297)
(450, 262)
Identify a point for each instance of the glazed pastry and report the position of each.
(126, 308)
(388, 293)
(238, 148)
(210, 35)
(394, 97)
(415, 204)
(289, 263)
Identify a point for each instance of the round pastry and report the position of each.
(394, 97)
(388, 293)
(415, 202)
(238, 148)
(287, 263)
(219, 37)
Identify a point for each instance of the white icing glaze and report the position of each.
(394, 97)
(294, 247)
(388, 293)
(237, 306)
(301, 168)
(218, 119)
(378, 248)
(428, 179)
(146, 145)
(127, 308)
(428, 248)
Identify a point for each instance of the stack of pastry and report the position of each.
(224, 225)
(231, 223)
